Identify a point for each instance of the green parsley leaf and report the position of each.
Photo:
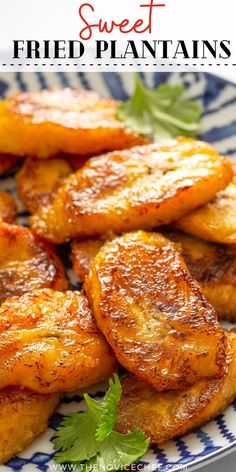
(75, 438)
(119, 451)
(161, 113)
(110, 405)
(88, 440)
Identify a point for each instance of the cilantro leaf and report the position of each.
(110, 404)
(94, 407)
(88, 440)
(76, 438)
(120, 450)
(161, 113)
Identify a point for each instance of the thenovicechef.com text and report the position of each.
(131, 468)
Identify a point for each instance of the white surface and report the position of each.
(227, 464)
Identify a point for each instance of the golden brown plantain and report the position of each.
(8, 207)
(49, 122)
(27, 263)
(84, 252)
(215, 221)
(140, 188)
(23, 416)
(163, 416)
(214, 267)
(38, 179)
(153, 313)
(49, 342)
(7, 163)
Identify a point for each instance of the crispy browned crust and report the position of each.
(49, 122)
(163, 416)
(38, 179)
(49, 343)
(153, 313)
(7, 163)
(27, 262)
(23, 416)
(215, 221)
(8, 207)
(214, 267)
(140, 188)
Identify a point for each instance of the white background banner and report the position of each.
(169, 35)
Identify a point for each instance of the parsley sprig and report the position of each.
(161, 113)
(88, 439)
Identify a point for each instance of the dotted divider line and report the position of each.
(113, 64)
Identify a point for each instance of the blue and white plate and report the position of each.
(218, 100)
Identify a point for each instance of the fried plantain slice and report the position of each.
(215, 221)
(7, 163)
(27, 263)
(8, 207)
(23, 416)
(49, 122)
(49, 342)
(38, 179)
(212, 265)
(84, 252)
(153, 313)
(163, 416)
(140, 188)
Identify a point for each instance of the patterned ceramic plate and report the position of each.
(218, 99)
